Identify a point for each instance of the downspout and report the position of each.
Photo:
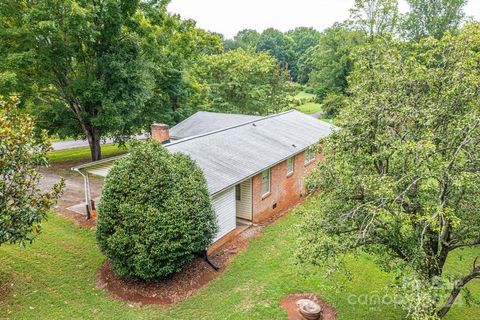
(86, 189)
(210, 262)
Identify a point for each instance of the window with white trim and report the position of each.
(265, 182)
(290, 166)
(309, 155)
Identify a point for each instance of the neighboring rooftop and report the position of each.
(231, 155)
(203, 122)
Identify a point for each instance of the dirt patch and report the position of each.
(289, 303)
(6, 289)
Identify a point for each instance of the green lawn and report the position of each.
(55, 279)
(305, 102)
(83, 153)
(310, 107)
(303, 95)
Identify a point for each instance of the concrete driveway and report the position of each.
(73, 196)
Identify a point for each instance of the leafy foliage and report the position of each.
(375, 17)
(246, 39)
(240, 81)
(22, 205)
(98, 68)
(155, 213)
(401, 178)
(331, 62)
(303, 39)
(333, 103)
(288, 48)
(278, 45)
(432, 18)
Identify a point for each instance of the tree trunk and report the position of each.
(94, 142)
(174, 102)
(93, 136)
(457, 288)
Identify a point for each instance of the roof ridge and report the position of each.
(211, 112)
(227, 128)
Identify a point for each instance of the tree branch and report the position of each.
(458, 287)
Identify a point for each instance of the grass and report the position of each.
(305, 96)
(309, 107)
(54, 278)
(305, 102)
(83, 153)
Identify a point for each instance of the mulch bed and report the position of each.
(289, 303)
(183, 284)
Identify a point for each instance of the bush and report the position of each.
(155, 213)
(309, 90)
(332, 103)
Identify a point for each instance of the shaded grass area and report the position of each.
(54, 278)
(83, 153)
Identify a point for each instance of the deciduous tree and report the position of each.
(99, 68)
(79, 56)
(278, 45)
(240, 81)
(331, 62)
(375, 17)
(303, 39)
(245, 39)
(432, 18)
(401, 178)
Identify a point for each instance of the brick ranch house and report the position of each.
(254, 166)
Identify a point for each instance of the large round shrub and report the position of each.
(155, 213)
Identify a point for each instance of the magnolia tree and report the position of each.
(401, 179)
(22, 205)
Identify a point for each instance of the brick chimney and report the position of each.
(160, 133)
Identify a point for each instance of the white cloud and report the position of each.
(230, 16)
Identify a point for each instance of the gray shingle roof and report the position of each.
(203, 122)
(231, 155)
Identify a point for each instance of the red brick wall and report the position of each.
(285, 191)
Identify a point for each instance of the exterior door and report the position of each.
(243, 197)
(224, 206)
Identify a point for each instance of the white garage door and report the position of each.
(224, 205)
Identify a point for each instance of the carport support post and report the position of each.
(86, 188)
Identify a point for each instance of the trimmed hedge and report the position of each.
(155, 213)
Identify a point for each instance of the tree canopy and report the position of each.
(98, 69)
(23, 206)
(287, 47)
(432, 18)
(375, 17)
(331, 62)
(240, 81)
(401, 177)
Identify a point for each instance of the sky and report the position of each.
(230, 16)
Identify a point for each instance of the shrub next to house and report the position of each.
(155, 213)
